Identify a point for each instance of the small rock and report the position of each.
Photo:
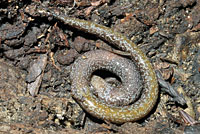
(67, 57)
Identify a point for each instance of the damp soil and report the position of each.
(37, 52)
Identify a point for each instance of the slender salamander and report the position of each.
(82, 93)
(127, 92)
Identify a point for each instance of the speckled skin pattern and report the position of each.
(91, 61)
(81, 91)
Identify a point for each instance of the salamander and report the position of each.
(82, 91)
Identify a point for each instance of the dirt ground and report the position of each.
(37, 52)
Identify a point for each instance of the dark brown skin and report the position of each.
(82, 91)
